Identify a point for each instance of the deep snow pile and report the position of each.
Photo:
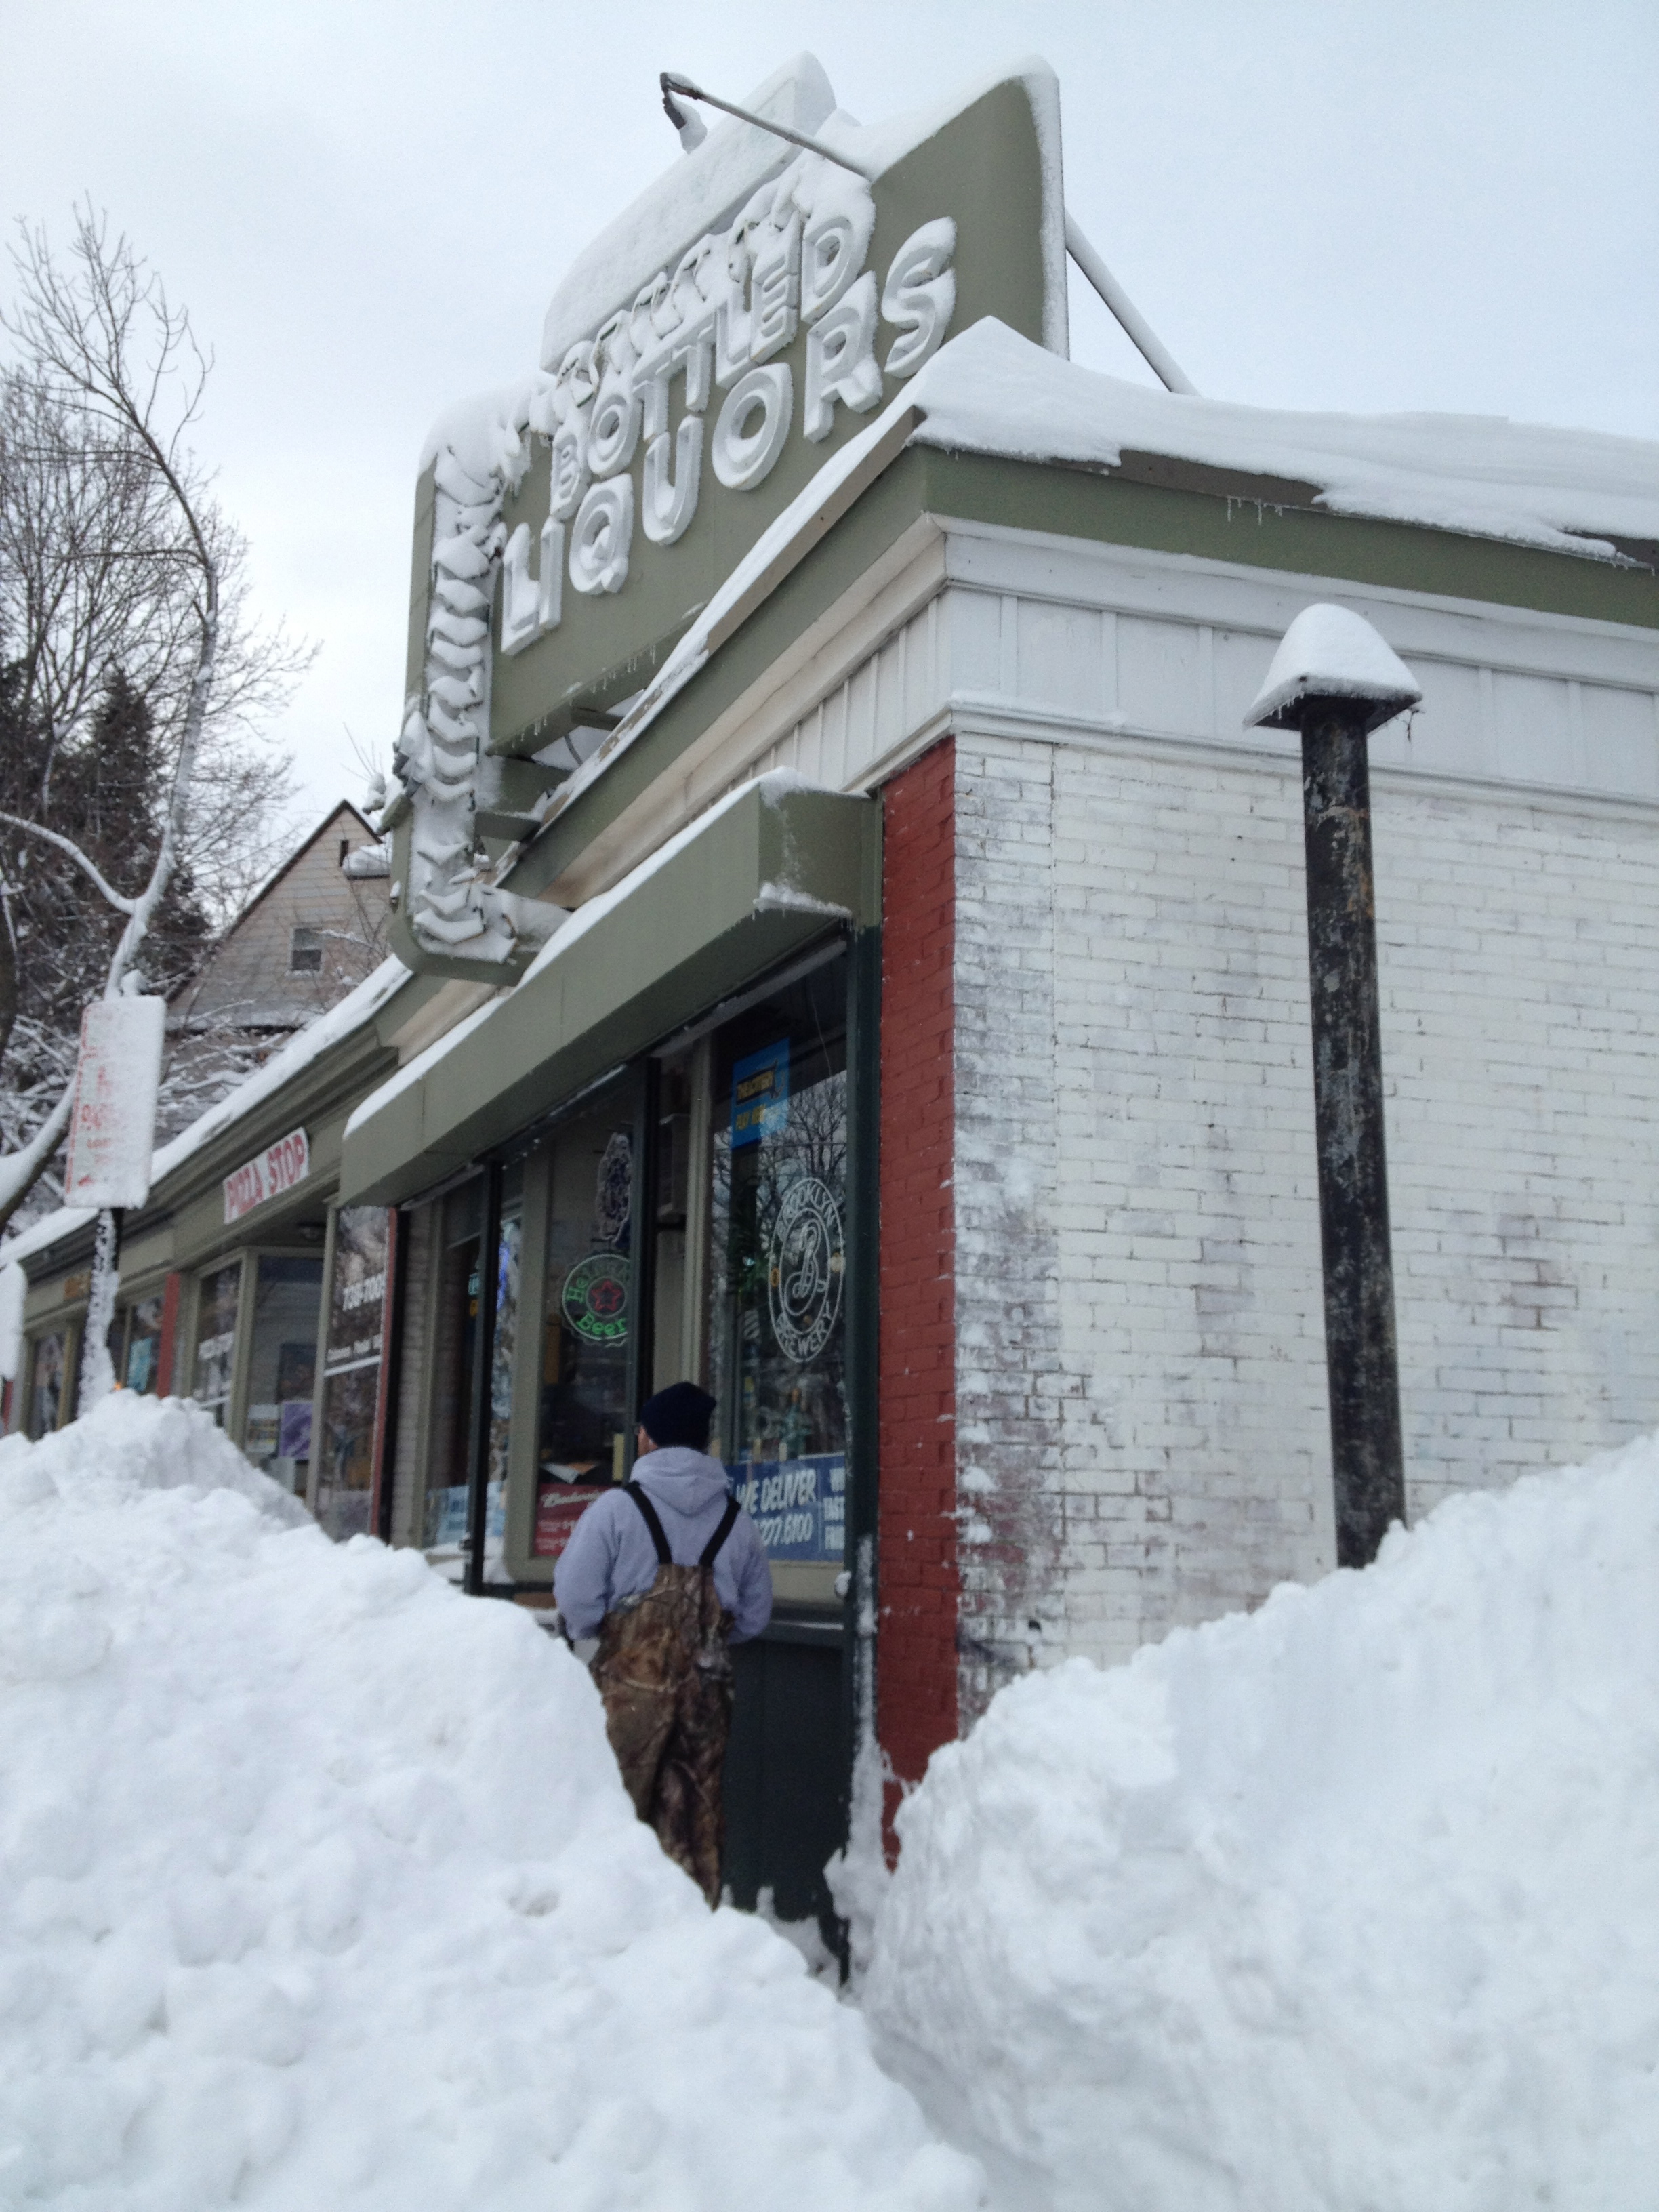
(1350, 1904)
(317, 1889)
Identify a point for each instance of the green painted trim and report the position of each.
(1099, 508)
(1211, 525)
(694, 930)
(886, 510)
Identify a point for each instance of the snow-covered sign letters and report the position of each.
(267, 1175)
(112, 1122)
(693, 381)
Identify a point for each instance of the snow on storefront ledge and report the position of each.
(775, 785)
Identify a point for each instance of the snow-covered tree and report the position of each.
(135, 803)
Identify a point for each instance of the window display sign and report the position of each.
(798, 1505)
(760, 1095)
(806, 1258)
(215, 1338)
(778, 1264)
(595, 1299)
(583, 1420)
(351, 1369)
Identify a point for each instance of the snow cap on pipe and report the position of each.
(1331, 653)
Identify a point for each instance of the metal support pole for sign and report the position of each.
(1134, 325)
(1335, 680)
(1362, 1361)
(484, 1362)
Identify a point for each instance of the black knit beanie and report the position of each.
(679, 1415)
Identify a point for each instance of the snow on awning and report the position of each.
(754, 879)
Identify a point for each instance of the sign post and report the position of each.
(1335, 680)
(112, 1140)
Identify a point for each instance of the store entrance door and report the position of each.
(748, 1297)
(785, 1771)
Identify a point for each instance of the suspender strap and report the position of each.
(664, 1556)
(648, 1515)
(711, 1549)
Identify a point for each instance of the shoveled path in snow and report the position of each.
(318, 1889)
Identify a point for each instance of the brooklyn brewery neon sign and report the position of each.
(736, 300)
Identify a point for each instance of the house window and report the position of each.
(305, 954)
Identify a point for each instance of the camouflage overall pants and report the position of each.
(664, 1673)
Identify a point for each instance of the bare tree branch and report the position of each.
(117, 564)
(121, 904)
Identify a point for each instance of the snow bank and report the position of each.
(317, 1889)
(1350, 1904)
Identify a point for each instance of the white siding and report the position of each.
(1142, 1429)
(1138, 1262)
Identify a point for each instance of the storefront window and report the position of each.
(216, 1339)
(455, 1338)
(509, 1254)
(587, 1319)
(777, 1264)
(141, 1368)
(49, 1381)
(456, 1356)
(351, 1369)
(283, 1367)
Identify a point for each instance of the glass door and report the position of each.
(776, 1274)
(352, 1349)
(453, 1355)
(219, 1297)
(281, 1373)
(584, 1417)
(141, 1368)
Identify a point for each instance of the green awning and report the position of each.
(752, 882)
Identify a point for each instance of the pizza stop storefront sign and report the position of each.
(268, 1174)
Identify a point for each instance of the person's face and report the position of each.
(643, 1443)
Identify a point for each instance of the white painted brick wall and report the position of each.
(1140, 1385)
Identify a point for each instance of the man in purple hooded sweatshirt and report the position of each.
(667, 1572)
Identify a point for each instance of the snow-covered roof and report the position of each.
(330, 1029)
(989, 391)
(310, 1044)
(699, 191)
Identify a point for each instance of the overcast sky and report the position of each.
(365, 205)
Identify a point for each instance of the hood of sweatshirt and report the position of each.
(677, 1476)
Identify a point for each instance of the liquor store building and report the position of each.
(854, 955)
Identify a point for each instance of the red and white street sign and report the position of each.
(267, 1175)
(112, 1122)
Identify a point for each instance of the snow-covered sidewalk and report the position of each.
(319, 1890)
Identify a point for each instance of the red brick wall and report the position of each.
(917, 1569)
